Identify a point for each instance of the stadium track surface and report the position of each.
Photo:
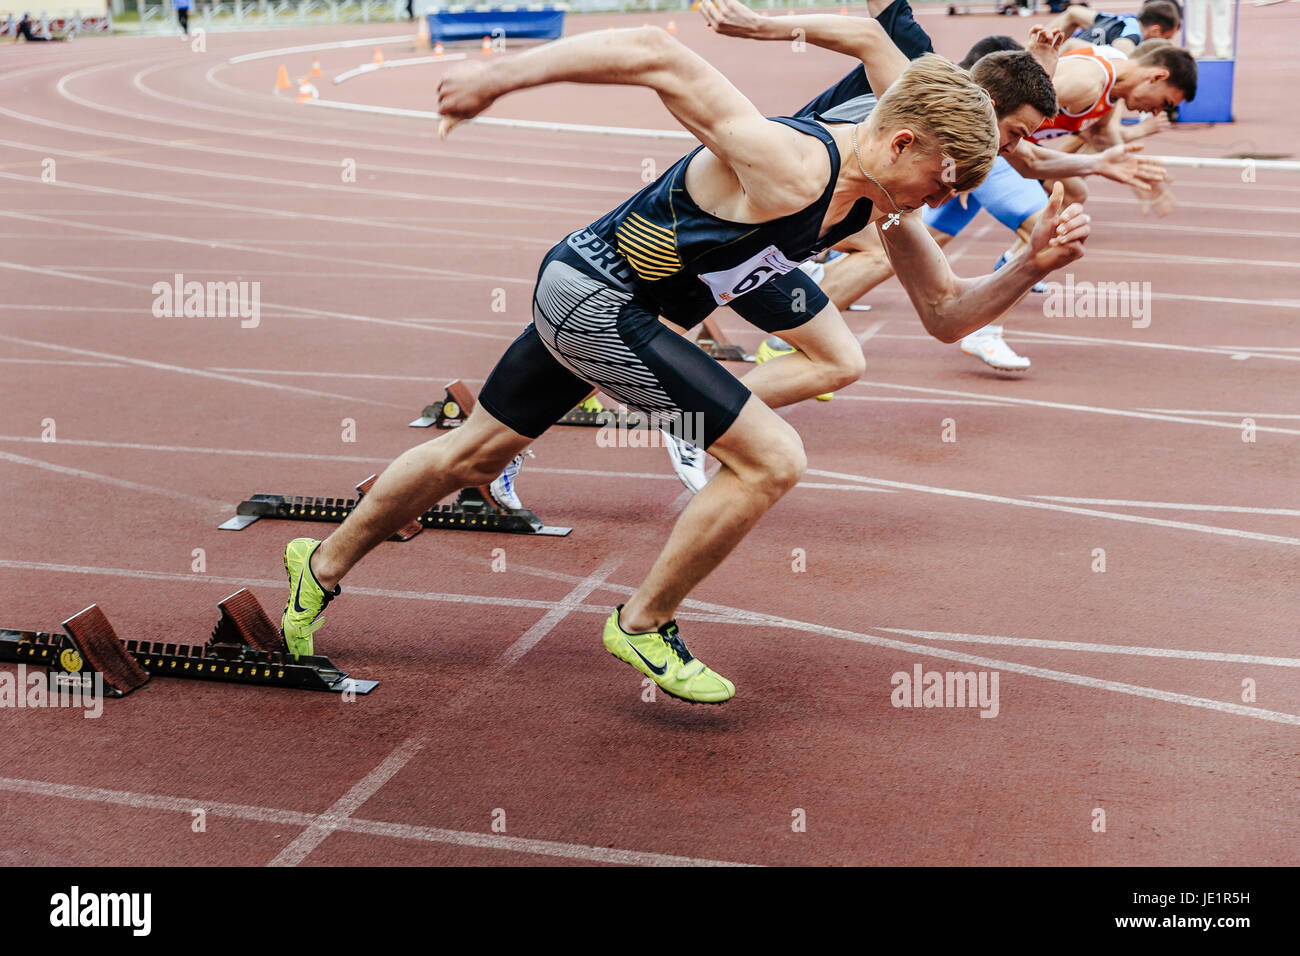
(1119, 690)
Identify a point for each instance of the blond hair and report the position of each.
(948, 112)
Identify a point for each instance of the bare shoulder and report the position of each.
(1078, 83)
(796, 169)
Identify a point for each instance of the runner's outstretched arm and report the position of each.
(860, 37)
(1119, 163)
(697, 95)
(951, 307)
(1075, 17)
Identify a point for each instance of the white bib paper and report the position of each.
(749, 275)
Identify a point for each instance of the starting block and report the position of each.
(456, 404)
(591, 413)
(245, 648)
(451, 412)
(714, 341)
(473, 510)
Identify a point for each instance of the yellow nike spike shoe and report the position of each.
(307, 599)
(775, 347)
(662, 656)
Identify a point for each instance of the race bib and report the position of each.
(749, 275)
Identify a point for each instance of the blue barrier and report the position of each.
(1214, 78)
(546, 24)
(1213, 103)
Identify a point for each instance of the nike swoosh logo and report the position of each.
(297, 605)
(660, 671)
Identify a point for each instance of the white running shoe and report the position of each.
(503, 486)
(988, 346)
(688, 461)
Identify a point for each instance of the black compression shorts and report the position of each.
(587, 332)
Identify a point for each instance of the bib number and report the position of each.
(749, 275)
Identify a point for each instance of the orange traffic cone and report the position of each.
(437, 49)
(844, 11)
(305, 90)
(282, 78)
(672, 26)
(315, 67)
(379, 57)
(487, 45)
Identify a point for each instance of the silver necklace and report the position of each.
(858, 157)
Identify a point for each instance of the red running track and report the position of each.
(1120, 691)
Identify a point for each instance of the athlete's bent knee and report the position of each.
(783, 464)
(850, 365)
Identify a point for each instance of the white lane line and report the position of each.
(301, 310)
(371, 461)
(1065, 509)
(393, 65)
(496, 121)
(377, 222)
(397, 831)
(435, 597)
(110, 480)
(570, 602)
(1197, 204)
(1064, 677)
(1127, 254)
(1216, 230)
(1116, 503)
(1070, 407)
(363, 790)
(1293, 304)
(309, 187)
(1280, 165)
(102, 156)
(871, 330)
(422, 271)
(370, 376)
(313, 47)
(1132, 343)
(302, 845)
(725, 614)
(276, 133)
(1260, 348)
(1097, 648)
(184, 370)
(281, 159)
(36, 361)
(917, 401)
(1236, 415)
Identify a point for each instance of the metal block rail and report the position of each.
(245, 648)
(472, 511)
(456, 404)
